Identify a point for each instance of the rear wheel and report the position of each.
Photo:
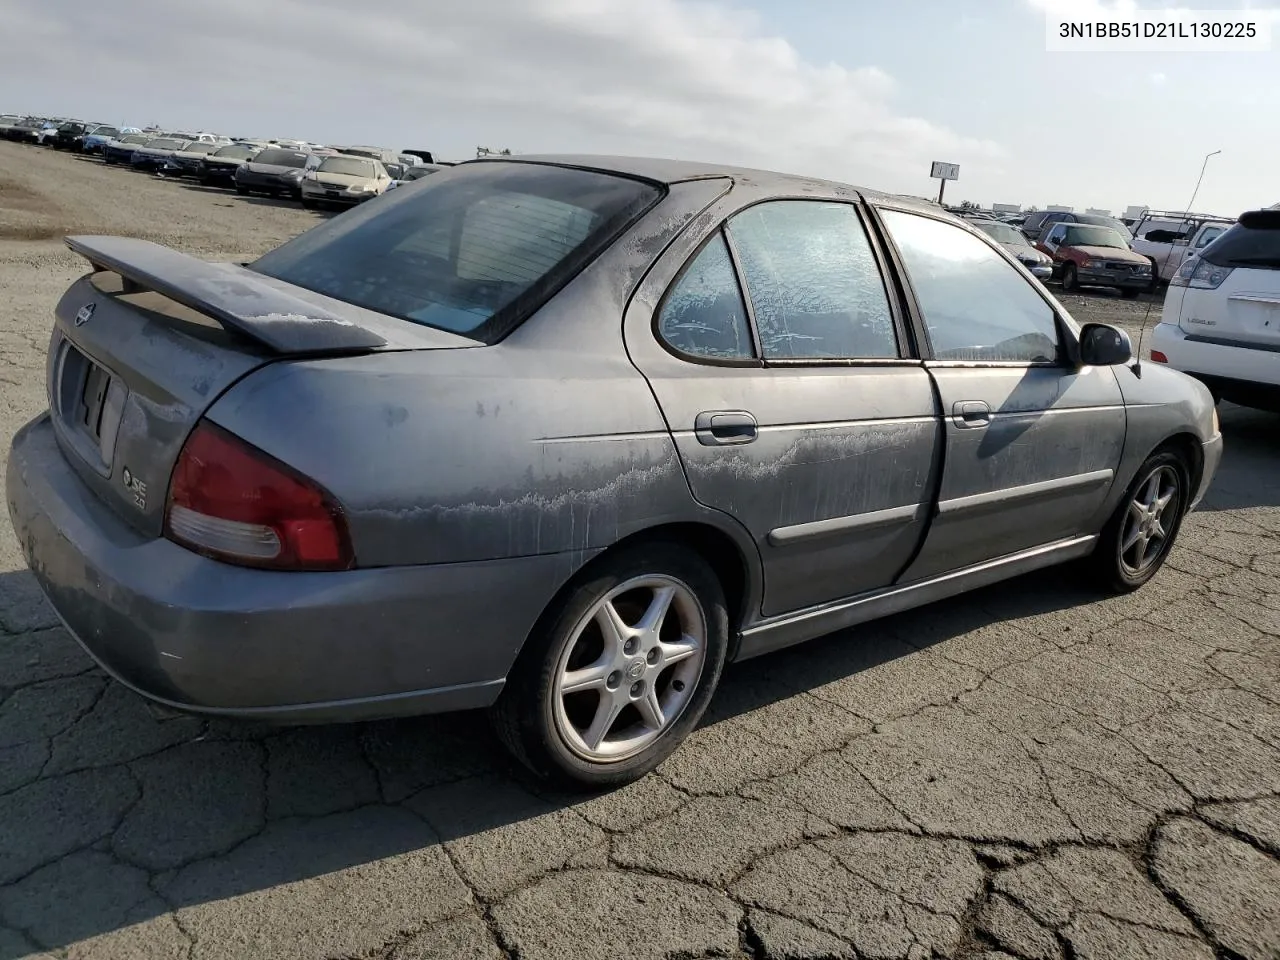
(241, 190)
(619, 670)
(1069, 283)
(1137, 539)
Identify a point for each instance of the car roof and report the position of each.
(679, 171)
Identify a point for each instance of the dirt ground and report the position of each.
(1023, 773)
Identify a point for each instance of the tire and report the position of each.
(1155, 276)
(1129, 293)
(553, 733)
(309, 204)
(1112, 566)
(241, 190)
(1069, 283)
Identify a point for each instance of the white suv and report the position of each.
(1221, 317)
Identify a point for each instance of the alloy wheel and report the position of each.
(1149, 519)
(629, 669)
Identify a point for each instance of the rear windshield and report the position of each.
(105, 132)
(1255, 242)
(472, 251)
(281, 158)
(134, 138)
(348, 166)
(165, 144)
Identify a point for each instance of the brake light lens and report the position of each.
(1200, 274)
(233, 502)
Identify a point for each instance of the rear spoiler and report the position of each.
(238, 299)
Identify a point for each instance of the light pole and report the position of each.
(1203, 166)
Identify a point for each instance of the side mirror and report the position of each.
(1102, 345)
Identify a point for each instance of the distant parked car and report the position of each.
(1038, 222)
(424, 155)
(1040, 264)
(1166, 239)
(186, 162)
(121, 150)
(344, 180)
(1090, 255)
(564, 436)
(47, 132)
(1221, 316)
(7, 122)
(219, 167)
(416, 172)
(273, 172)
(153, 154)
(69, 136)
(97, 138)
(30, 130)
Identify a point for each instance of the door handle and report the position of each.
(970, 413)
(723, 427)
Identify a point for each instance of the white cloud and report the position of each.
(1157, 78)
(700, 80)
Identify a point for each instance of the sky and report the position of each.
(863, 91)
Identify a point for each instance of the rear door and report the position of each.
(780, 361)
(1032, 441)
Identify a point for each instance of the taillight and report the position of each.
(1157, 356)
(230, 501)
(1200, 274)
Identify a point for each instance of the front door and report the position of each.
(1032, 441)
(795, 409)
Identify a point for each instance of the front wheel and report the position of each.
(1069, 283)
(1129, 293)
(1137, 539)
(619, 671)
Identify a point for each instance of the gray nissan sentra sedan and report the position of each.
(561, 437)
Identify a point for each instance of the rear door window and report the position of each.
(471, 252)
(815, 288)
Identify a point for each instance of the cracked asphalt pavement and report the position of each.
(1025, 772)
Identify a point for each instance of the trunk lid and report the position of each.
(1245, 309)
(144, 345)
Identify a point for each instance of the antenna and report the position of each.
(1142, 330)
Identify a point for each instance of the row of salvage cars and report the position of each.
(311, 173)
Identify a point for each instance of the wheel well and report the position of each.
(719, 551)
(1188, 447)
(715, 547)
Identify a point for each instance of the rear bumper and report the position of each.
(1215, 361)
(206, 637)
